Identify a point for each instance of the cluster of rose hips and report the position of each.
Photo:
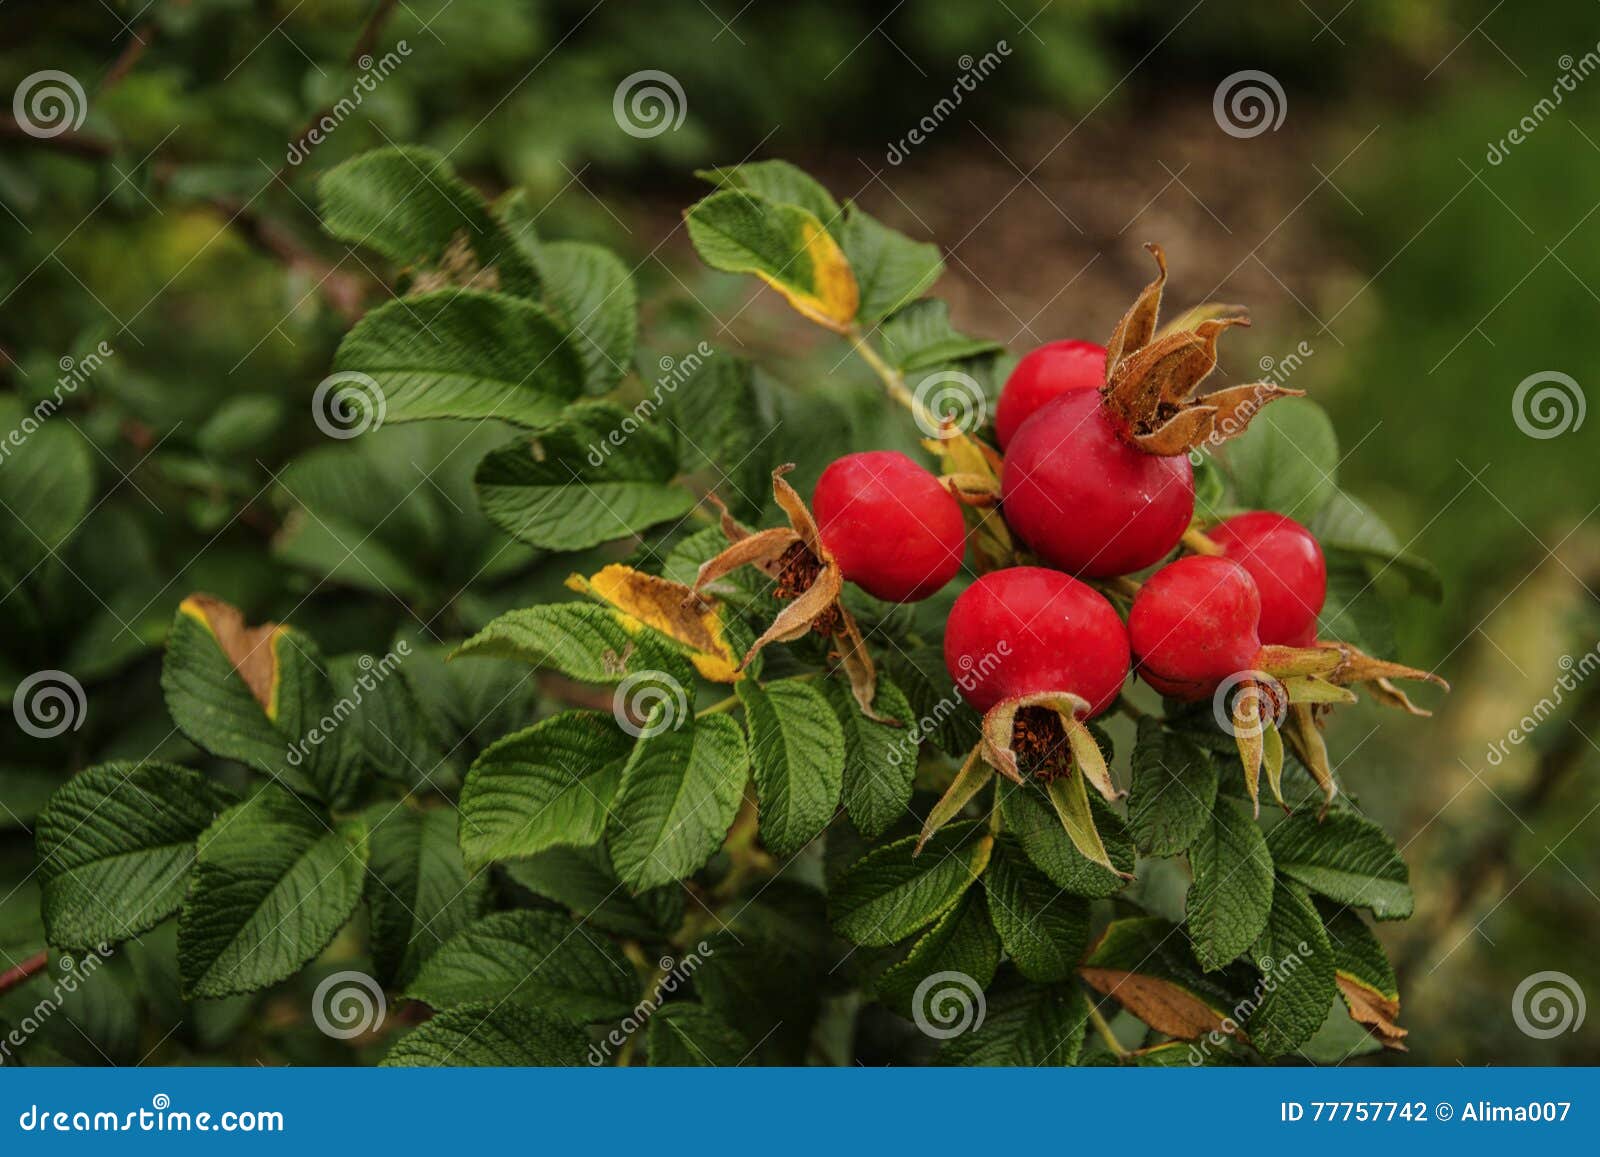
(1094, 476)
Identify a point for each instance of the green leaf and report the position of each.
(534, 958)
(409, 205)
(491, 1036)
(1044, 929)
(46, 486)
(716, 418)
(115, 846)
(784, 245)
(460, 353)
(572, 488)
(1029, 817)
(1348, 525)
(1174, 786)
(680, 791)
(781, 182)
(1297, 968)
(583, 881)
(880, 761)
(419, 892)
(1286, 460)
(1026, 1026)
(1355, 611)
(691, 1036)
(549, 784)
(1344, 857)
(797, 755)
(894, 891)
(281, 721)
(583, 641)
(890, 268)
(962, 941)
(273, 883)
(920, 337)
(1231, 896)
(1365, 978)
(591, 290)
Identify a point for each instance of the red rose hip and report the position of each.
(1193, 624)
(1043, 375)
(1288, 568)
(1085, 499)
(1029, 631)
(892, 528)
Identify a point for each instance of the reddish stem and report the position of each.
(30, 967)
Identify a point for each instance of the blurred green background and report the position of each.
(1371, 227)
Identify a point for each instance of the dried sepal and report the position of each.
(806, 610)
(1355, 666)
(859, 668)
(1304, 738)
(972, 489)
(1205, 311)
(1385, 692)
(1248, 725)
(974, 776)
(762, 550)
(970, 470)
(1138, 325)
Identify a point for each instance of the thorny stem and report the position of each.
(893, 380)
(29, 968)
(1103, 1027)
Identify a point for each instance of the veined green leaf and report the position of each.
(581, 640)
(1344, 857)
(1231, 896)
(797, 754)
(894, 891)
(691, 1035)
(1286, 460)
(419, 891)
(891, 269)
(1174, 787)
(1024, 1026)
(1044, 928)
(1296, 962)
(880, 761)
(491, 1036)
(962, 941)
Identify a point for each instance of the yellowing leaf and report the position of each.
(253, 651)
(1374, 1009)
(645, 600)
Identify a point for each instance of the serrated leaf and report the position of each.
(1144, 964)
(1044, 929)
(461, 353)
(569, 489)
(1030, 818)
(797, 759)
(541, 959)
(581, 640)
(273, 883)
(1286, 460)
(1231, 896)
(717, 420)
(894, 891)
(592, 291)
(920, 337)
(1344, 857)
(1347, 524)
(419, 892)
(962, 941)
(698, 630)
(783, 245)
(46, 487)
(880, 761)
(891, 270)
(928, 688)
(680, 791)
(548, 784)
(1174, 787)
(781, 182)
(408, 204)
(1028, 1026)
(1365, 979)
(1297, 966)
(583, 881)
(690, 1035)
(260, 695)
(115, 846)
(498, 1036)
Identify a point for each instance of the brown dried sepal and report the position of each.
(1377, 676)
(1151, 379)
